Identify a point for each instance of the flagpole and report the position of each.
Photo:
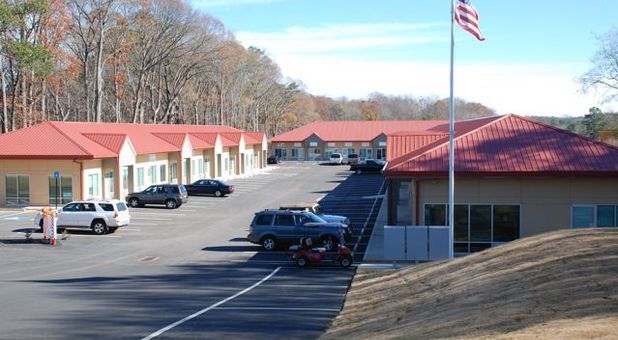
(451, 156)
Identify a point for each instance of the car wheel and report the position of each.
(302, 261)
(99, 227)
(345, 261)
(171, 204)
(329, 243)
(269, 243)
(134, 202)
(218, 193)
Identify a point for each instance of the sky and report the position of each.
(529, 64)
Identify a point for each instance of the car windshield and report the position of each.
(183, 189)
(313, 218)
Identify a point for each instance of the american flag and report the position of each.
(468, 18)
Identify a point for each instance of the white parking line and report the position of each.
(143, 223)
(146, 214)
(97, 236)
(150, 218)
(213, 306)
(15, 214)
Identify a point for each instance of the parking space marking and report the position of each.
(97, 236)
(155, 214)
(150, 218)
(14, 214)
(143, 223)
(213, 306)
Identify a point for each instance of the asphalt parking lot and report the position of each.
(184, 273)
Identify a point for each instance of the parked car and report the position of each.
(368, 166)
(100, 216)
(317, 209)
(352, 158)
(209, 187)
(335, 158)
(273, 160)
(274, 228)
(171, 195)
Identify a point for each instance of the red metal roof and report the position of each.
(203, 140)
(226, 141)
(176, 139)
(509, 145)
(359, 130)
(253, 138)
(111, 141)
(233, 136)
(40, 141)
(49, 140)
(402, 143)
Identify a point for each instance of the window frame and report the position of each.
(492, 243)
(595, 213)
(19, 200)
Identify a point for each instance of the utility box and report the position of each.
(416, 243)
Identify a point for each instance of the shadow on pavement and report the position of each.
(137, 305)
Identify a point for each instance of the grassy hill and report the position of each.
(561, 285)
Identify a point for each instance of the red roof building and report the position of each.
(318, 140)
(107, 160)
(514, 177)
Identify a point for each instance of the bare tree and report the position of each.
(604, 72)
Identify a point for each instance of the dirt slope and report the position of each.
(557, 285)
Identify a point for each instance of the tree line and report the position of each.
(146, 61)
(161, 61)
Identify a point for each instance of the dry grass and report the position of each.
(557, 285)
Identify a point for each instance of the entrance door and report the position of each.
(218, 174)
(186, 171)
(109, 185)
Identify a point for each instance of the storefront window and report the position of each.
(506, 223)
(435, 214)
(17, 189)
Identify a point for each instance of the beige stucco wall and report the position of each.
(38, 172)
(545, 202)
(323, 147)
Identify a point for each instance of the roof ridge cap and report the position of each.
(69, 138)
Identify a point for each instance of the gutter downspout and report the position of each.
(81, 179)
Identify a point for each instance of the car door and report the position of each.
(67, 214)
(84, 215)
(286, 229)
(149, 195)
(204, 187)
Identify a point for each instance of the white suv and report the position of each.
(336, 158)
(100, 216)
